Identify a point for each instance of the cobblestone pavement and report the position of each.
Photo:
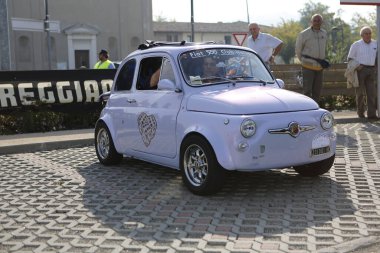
(65, 201)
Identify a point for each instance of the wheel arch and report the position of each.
(219, 147)
(106, 119)
(194, 133)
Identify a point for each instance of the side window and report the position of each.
(125, 78)
(149, 73)
(167, 71)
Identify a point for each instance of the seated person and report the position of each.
(154, 79)
(209, 67)
(237, 68)
(149, 73)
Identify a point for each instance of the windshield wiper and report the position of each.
(231, 79)
(255, 79)
(224, 78)
(261, 81)
(215, 78)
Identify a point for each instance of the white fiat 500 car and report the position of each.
(205, 109)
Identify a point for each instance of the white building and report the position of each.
(78, 30)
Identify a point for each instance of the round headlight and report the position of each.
(327, 120)
(248, 128)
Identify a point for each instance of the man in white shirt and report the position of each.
(364, 51)
(266, 45)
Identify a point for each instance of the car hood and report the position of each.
(249, 100)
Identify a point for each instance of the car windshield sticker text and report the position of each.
(216, 52)
(147, 127)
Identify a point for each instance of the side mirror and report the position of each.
(280, 83)
(166, 84)
(105, 96)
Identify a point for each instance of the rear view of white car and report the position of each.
(204, 109)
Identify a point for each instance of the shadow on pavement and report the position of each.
(146, 203)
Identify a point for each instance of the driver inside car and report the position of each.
(209, 67)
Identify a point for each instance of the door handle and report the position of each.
(131, 100)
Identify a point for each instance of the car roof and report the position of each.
(176, 48)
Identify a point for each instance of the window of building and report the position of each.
(113, 48)
(227, 40)
(53, 52)
(24, 50)
(172, 37)
(135, 42)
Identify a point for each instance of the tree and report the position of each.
(340, 39)
(161, 18)
(312, 8)
(339, 32)
(359, 21)
(287, 31)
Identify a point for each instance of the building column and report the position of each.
(5, 53)
(70, 50)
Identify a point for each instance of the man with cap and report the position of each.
(103, 62)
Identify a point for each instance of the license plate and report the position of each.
(320, 151)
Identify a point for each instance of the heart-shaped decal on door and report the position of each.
(147, 127)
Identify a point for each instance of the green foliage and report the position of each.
(161, 18)
(341, 34)
(337, 102)
(29, 121)
(287, 31)
(359, 21)
(44, 119)
(312, 8)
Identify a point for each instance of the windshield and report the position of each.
(210, 66)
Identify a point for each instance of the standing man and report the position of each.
(266, 45)
(311, 43)
(364, 51)
(103, 62)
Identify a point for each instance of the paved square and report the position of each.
(65, 201)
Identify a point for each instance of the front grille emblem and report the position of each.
(294, 129)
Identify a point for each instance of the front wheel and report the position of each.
(315, 169)
(105, 149)
(200, 170)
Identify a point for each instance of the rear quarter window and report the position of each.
(125, 78)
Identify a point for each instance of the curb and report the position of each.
(350, 120)
(45, 146)
(357, 244)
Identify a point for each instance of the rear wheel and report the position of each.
(105, 149)
(200, 170)
(315, 169)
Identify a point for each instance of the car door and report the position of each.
(151, 117)
(118, 104)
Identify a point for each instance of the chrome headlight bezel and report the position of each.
(248, 128)
(327, 121)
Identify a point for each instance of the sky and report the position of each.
(264, 12)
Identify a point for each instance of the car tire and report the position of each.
(105, 149)
(200, 170)
(315, 169)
